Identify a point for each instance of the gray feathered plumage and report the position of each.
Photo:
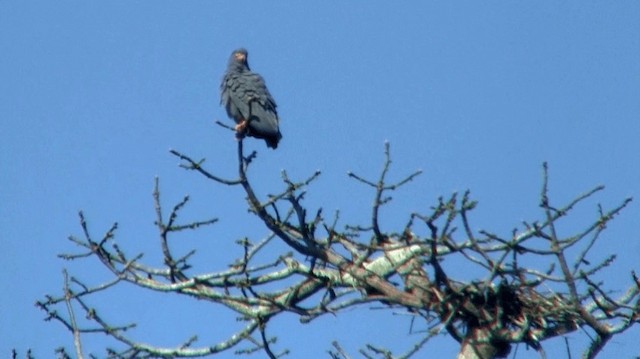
(248, 102)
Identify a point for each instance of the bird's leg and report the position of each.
(241, 128)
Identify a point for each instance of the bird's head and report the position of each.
(239, 58)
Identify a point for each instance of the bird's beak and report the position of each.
(240, 57)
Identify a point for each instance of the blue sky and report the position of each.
(93, 95)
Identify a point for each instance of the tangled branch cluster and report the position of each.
(333, 269)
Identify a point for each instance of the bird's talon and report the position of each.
(241, 128)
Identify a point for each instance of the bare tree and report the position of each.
(530, 286)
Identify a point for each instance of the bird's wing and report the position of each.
(242, 89)
(233, 96)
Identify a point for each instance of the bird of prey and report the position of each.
(248, 102)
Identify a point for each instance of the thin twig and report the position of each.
(68, 295)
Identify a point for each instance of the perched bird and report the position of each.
(248, 102)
